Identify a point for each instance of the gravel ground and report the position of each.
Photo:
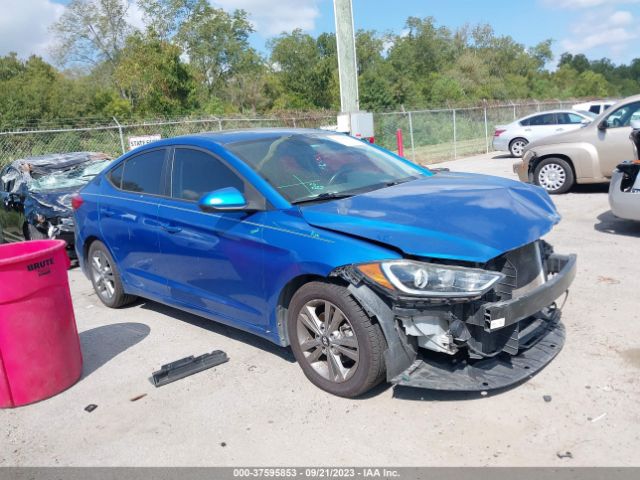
(259, 409)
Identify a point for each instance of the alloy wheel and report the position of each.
(102, 274)
(552, 176)
(327, 340)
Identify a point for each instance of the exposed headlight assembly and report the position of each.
(430, 279)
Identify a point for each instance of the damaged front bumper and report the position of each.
(487, 344)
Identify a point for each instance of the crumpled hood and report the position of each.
(457, 216)
(50, 204)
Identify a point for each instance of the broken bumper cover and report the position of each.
(539, 343)
(438, 372)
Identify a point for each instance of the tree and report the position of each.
(154, 78)
(306, 69)
(91, 32)
(217, 44)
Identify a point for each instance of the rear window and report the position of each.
(143, 173)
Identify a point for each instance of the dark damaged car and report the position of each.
(370, 267)
(36, 195)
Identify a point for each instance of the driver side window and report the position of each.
(622, 116)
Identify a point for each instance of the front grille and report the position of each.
(523, 271)
(522, 268)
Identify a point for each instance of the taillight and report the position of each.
(76, 201)
(497, 133)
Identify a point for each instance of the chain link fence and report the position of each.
(113, 138)
(429, 135)
(446, 134)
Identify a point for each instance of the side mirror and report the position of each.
(635, 124)
(229, 198)
(585, 121)
(602, 126)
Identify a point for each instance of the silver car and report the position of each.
(515, 136)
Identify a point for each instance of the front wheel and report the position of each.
(106, 278)
(555, 175)
(339, 348)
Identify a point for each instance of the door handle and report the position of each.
(106, 212)
(170, 228)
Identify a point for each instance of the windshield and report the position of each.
(304, 167)
(73, 177)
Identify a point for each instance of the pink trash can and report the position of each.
(39, 345)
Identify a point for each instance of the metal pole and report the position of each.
(399, 142)
(455, 137)
(413, 147)
(514, 109)
(347, 67)
(486, 129)
(121, 135)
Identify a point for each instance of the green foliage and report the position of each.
(193, 58)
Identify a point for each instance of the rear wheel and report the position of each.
(516, 147)
(106, 278)
(555, 175)
(339, 348)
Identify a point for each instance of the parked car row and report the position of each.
(586, 155)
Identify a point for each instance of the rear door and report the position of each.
(128, 210)
(213, 262)
(613, 143)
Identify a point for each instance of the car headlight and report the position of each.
(430, 279)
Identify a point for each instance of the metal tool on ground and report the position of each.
(187, 366)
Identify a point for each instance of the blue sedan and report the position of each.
(368, 266)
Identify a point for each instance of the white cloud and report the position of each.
(610, 31)
(24, 26)
(272, 17)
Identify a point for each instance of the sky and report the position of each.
(597, 28)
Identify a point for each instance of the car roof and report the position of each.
(565, 110)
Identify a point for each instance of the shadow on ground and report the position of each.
(220, 329)
(590, 188)
(101, 344)
(609, 223)
(505, 155)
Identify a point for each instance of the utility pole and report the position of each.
(347, 67)
(350, 120)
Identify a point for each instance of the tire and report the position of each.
(555, 175)
(345, 357)
(35, 234)
(106, 278)
(516, 147)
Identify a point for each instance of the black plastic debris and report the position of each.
(90, 408)
(187, 366)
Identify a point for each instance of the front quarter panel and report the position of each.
(296, 249)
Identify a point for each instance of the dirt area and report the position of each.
(258, 409)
